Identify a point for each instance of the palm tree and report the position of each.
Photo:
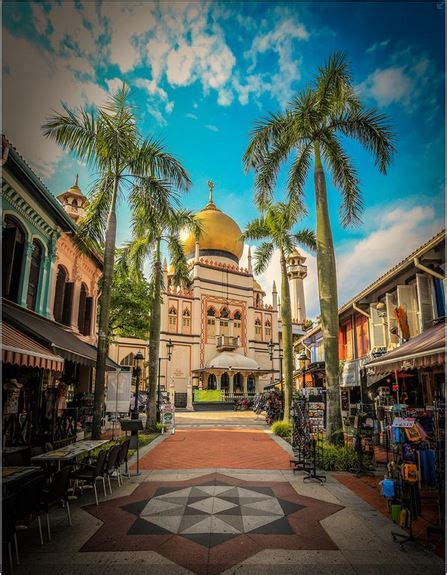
(275, 226)
(153, 225)
(108, 140)
(311, 128)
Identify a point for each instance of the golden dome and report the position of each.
(220, 236)
(257, 286)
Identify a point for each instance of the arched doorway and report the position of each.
(12, 253)
(225, 383)
(251, 384)
(238, 383)
(34, 275)
(212, 381)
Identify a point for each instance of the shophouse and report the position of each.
(391, 334)
(50, 292)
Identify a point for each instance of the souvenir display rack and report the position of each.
(363, 438)
(416, 438)
(270, 402)
(305, 437)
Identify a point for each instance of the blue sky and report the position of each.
(202, 73)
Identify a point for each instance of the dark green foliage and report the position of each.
(282, 428)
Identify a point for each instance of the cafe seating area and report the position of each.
(40, 482)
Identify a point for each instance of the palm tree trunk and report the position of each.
(104, 313)
(327, 285)
(286, 331)
(154, 342)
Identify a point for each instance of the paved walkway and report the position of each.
(217, 448)
(178, 521)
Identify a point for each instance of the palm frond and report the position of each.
(345, 178)
(257, 229)
(265, 132)
(151, 159)
(74, 131)
(372, 130)
(262, 257)
(306, 238)
(298, 173)
(181, 276)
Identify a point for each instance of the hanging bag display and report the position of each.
(412, 434)
(410, 472)
(387, 488)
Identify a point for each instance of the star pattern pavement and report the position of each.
(210, 523)
(212, 514)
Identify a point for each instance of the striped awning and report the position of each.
(425, 350)
(20, 349)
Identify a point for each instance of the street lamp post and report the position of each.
(169, 347)
(303, 359)
(138, 358)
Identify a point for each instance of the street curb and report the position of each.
(280, 441)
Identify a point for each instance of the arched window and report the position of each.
(237, 324)
(85, 311)
(224, 316)
(251, 385)
(63, 297)
(128, 360)
(212, 381)
(258, 300)
(225, 382)
(211, 323)
(34, 275)
(238, 383)
(12, 252)
(258, 329)
(172, 319)
(268, 329)
(186, 319)
(74, 203)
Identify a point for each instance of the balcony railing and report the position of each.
(227, 342)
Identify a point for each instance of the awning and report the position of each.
(425, 350)
(60, 339)
(19, 349)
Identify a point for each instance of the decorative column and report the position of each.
(218, 376)
(75, 298)
(230, 377)
(48, 282)
(23, 290)
(244, 384)
(189, 405)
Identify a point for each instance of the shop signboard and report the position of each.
(403, 422)
(118, 391)
(168, 417)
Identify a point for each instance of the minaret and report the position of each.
(250, 267)
(296, 272)
(274, 297)
(73, 201)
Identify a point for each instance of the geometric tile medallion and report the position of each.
(210, 523)
(212, 514)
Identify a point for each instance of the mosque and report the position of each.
(225, 337)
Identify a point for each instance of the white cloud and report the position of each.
(411, 84)
(211, 127)
(34, 87)
(377, 46)
(191, 116)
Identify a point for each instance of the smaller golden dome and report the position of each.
(257, 286)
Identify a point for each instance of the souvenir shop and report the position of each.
(47, 388)
(407, 388)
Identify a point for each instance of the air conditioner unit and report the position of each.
(378, 351)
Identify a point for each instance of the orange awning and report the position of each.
(19, 349)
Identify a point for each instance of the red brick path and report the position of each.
(213, 448)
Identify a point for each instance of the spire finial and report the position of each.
(211, 188)
(75, 185)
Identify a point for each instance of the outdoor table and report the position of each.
(12, 476)
(69, 452)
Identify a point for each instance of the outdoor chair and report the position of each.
(58, 491)
(28, 506)
(9, 528)
(122, 458)
(110, 468)
(90, 473)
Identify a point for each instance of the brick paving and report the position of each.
(210, 449)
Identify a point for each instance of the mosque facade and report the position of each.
(225, 337)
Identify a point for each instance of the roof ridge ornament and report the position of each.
(211, 188)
